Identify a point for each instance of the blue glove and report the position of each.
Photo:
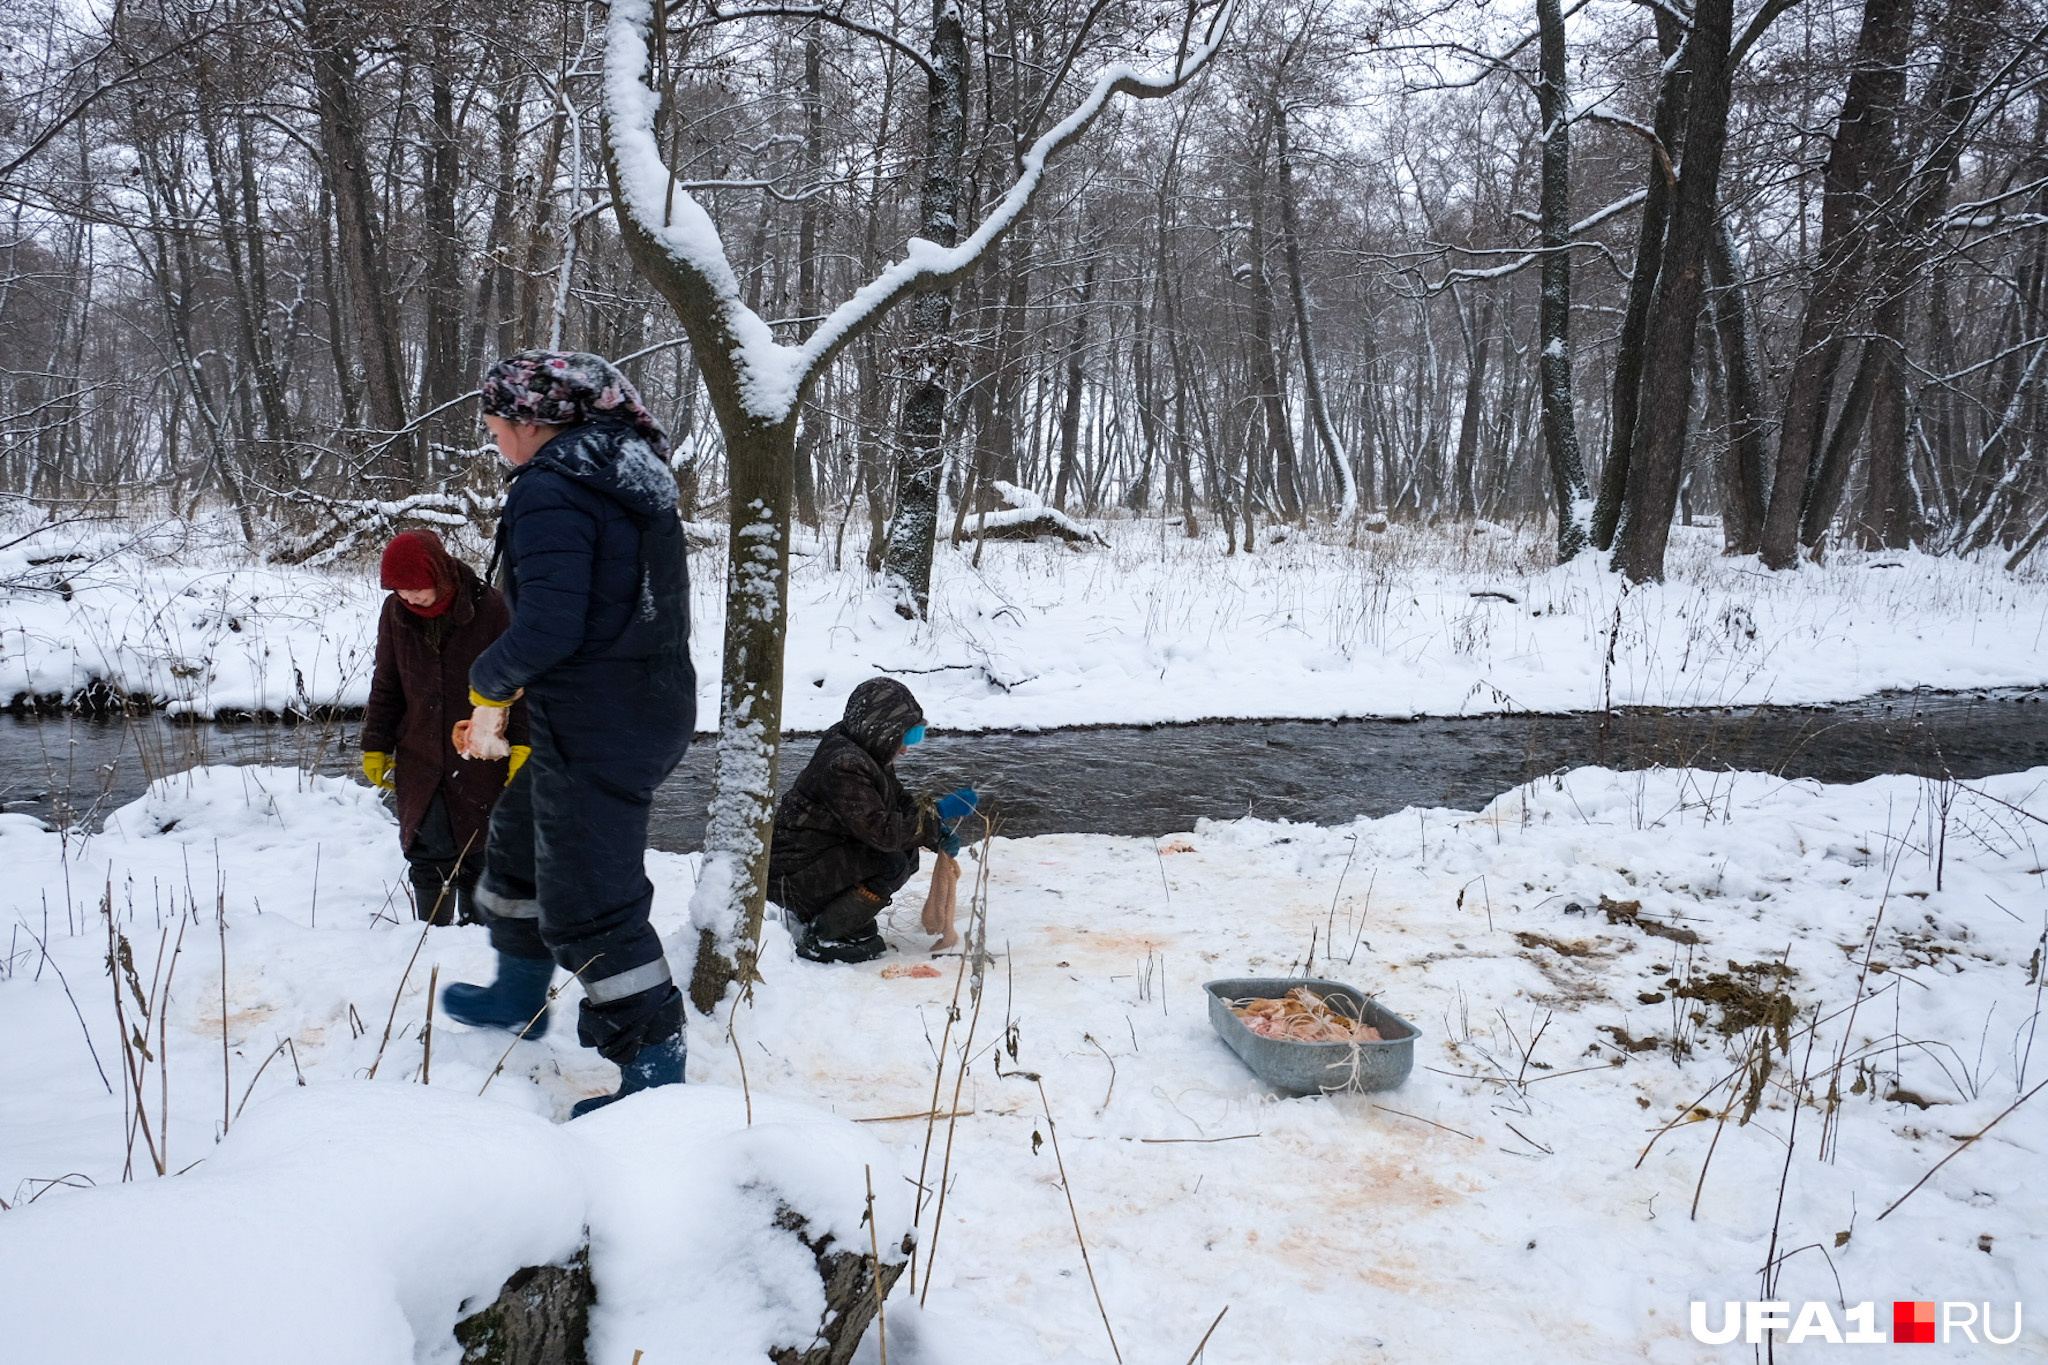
(958, 804)
(949, 842)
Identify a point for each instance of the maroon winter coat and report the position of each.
(420, 689)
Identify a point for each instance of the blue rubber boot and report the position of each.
(516, 1002)
(656, 1064)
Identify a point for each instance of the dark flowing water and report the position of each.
(1154, 780)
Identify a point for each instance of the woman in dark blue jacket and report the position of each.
(592, 549)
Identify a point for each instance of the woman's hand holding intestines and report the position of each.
(483, 734)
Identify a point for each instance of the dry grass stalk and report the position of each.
(1201, 1345)
(1830, 1128)
(251, 1088)
(739, 1054)
(1687, 1112)
(921, 1114)
(44, 948)
(1960, 1146)
(977, 955)
(1773, 1263)
(1234, 1137)
(397, 995)
(163, 1048)
(220, 920)
(427, 1032)
(1067, 1187)
(932, 1110)
(875, 1251)
(519, 1035)
(135, 1047)
(1398, 1113)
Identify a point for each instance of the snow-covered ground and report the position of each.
(1152, 627)
(1528, 1194)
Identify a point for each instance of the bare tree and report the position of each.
(1568, 484)
(755, 386)
(1659, 451)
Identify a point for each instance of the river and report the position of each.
(1155, 780)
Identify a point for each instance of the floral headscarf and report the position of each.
(567, 388)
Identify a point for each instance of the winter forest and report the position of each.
(1425, 265)
(986, 681)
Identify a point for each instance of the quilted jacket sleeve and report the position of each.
(553, 533)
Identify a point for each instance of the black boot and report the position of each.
(864, 944)
(850, 912)
(435, 895)
(466, 911)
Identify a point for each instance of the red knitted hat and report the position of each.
(415, 560)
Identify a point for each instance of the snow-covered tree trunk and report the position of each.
(756, 387)
(675, 246)
(1569, 492)
(727, 910)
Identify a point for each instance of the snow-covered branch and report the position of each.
(769, 377)
(821, 14)
(1523, 259)
(354, 520)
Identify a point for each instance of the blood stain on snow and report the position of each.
(1122, 945)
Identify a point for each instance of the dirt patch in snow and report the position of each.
(1631, 914)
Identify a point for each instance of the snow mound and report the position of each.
(683, 1243)
(344, 1223)
(354, 1222)
(261, 808)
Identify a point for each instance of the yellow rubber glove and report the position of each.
(520, 753)
(477, 698)
(377, 767)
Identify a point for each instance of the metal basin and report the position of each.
(1315, 1068)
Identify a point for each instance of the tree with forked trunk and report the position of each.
(756, 386)
(1656, 462)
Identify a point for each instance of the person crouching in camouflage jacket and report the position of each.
(847, 834)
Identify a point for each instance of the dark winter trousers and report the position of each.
(443, 874)
(845, 916)
(565, 876)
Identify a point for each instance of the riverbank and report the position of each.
(1598, 962)
(1151, 628)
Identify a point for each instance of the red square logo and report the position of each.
(1912, 1322)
